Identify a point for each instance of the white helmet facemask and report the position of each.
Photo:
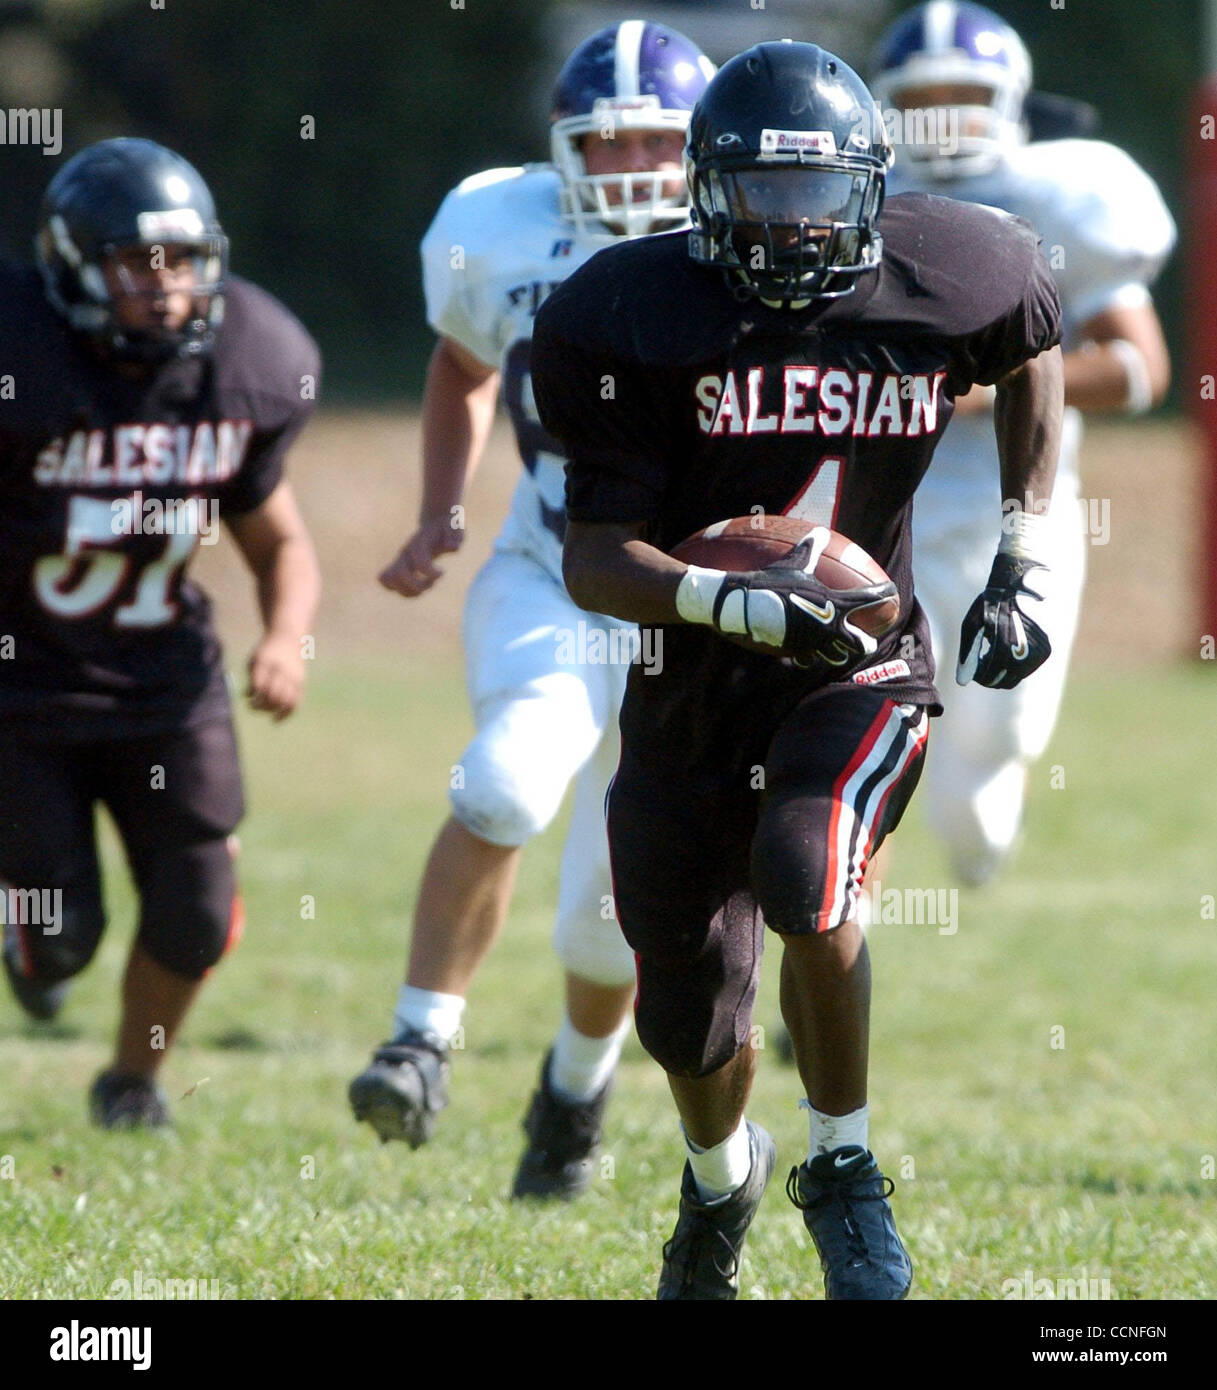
(611, 207)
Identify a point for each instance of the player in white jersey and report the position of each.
(545, 678)
(951, 79)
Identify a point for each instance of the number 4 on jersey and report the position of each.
(820, 497)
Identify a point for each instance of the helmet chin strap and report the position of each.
(745, 288)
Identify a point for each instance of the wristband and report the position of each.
(696, 593)
(1140, 393)
(1023, 534)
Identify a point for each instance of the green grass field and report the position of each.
(1085, 1152)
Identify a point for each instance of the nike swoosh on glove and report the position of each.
(1000, 643)
(784, 606)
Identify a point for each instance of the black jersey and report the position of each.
(679, 404)
(107, 485)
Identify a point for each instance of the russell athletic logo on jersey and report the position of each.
(131, 455)
(797, 399)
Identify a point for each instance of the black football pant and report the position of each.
(175, 798)
(702, 859)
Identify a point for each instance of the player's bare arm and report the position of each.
(458, 411)
(279, 551)
(1027, 418)
(611, 569)
(1122, 364)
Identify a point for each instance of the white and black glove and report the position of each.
(784, 607)
(1001, 642)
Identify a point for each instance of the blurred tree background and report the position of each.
(329, 130)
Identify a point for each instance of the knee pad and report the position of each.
(592, 947)
(500, 797)
(190, 913)
(58, 944)
(694, 1008)
(979, 819)
(587, 937)
(690, 1042)
(787, 879)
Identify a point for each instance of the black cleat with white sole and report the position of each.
(843, 1198)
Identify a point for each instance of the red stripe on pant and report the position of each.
(902, 768)
(869, 739)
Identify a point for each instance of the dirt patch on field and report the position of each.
(1142, 598)
(357, 479)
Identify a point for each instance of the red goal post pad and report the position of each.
(1200, 270)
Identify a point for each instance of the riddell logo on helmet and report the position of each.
(606, 105)
(172, 222)
(776, 142)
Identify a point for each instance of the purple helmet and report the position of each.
(630, 76)
(951, 43)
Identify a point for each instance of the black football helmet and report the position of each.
(786, 160)
(127, 193)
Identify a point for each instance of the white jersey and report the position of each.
(1105, 232)
(497, 247)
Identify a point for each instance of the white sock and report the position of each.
(428, 1011)
(720, 1170)
(829, 1132)
(580, 1067)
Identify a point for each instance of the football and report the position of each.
(756, 542)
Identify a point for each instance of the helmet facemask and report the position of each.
(955, 138)
(616, 206)
(77, 287)
(792, 231)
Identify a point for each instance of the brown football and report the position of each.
(755, 542)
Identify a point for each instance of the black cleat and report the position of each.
(701, 1261)
(843, 1198)
(120, 1100)
(404, 1088)
(563, 1140)
(39, 1000)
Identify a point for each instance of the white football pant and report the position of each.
(545, 700)
(981, 748)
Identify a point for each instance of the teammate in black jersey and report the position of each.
(795, 353)
(150, 395)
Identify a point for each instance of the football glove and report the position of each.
(1000, 643)
(785, 607)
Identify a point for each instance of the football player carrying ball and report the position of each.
(799, 352)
